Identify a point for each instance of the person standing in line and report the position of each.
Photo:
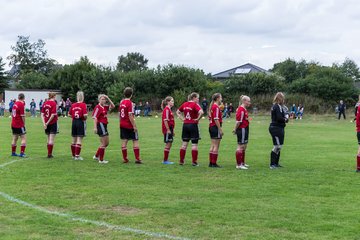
(78, 113)
(167, 125)
(190, 113)
(49, 119)
(215, 130)
(342, 109)
(67, 107)
(279, 118)
(100, 125)
(241, 130)
(128, 129)
(18, 126)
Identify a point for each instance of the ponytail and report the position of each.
(165, 101)
(214, 98)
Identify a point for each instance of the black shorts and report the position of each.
(128, 134)
(169, 137)
(242, 135)
(18, 131)
(52, 129)
(102, 129)
(78, 128)
(214, 132)
(358, 137)
(190, 131)
(277, 134)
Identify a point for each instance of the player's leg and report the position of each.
(13, 144)
(23, 145)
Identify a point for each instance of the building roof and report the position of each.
(243, 69)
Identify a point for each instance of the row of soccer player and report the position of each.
(189, 112)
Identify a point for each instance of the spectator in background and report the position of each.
(147, 109)
(204, 106)
(293, 111)
(2, 108)
(300, 112)
(230, 109)
(41, 104)
(138, 109)
(341, 109)
(67, 106)
(33, 108)
(11, 104)
(226, 111)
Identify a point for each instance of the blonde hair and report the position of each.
(243, 98)
(279, 98)
(80, 96)
(52, 95)
(100, 96)
(192, 96)
(165, 101)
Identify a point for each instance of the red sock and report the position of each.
(50, 149)
(13, 148)
(215, 157)
(73, 149)
(77, 150)
(124, 153)
(101, 153)
(182, 155)
(137, 153)
(22, 149)
(97, 154)
(166, 154)
(194, 155)
(239, 157)
(211, 157)
(358, 162)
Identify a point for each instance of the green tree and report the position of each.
(349, 68)
(3, 77)
(133, 61)
(31, 56)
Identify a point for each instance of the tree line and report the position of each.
(316, 86)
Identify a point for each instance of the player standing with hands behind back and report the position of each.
(18, 125)
(128, 129)
(190, 112)
(215, 130)
(49, 118)
(167, 126)
(279, 118)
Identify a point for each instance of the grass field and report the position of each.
(315, 196)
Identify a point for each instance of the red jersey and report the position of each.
(125, 107)
(100, 113)
(168, 116)
(242, 116)
(191, 111)
(215, 114)
(18, 112)
(78, 110)
(358, 119)
(49, 108)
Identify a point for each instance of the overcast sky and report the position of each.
(207, 34)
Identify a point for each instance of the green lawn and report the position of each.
(315, 196)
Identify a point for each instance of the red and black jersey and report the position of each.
(18, 112)
(125, 108)
(100, 113)
(78, 110)
(168, 116)
(242, 117)
(358, 119)
(215, 114)
(191, 111)
(50, 108)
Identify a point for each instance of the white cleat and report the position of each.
(103, 161)
(78, 158)
(95, 158)
(242, 167)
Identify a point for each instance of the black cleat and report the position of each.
(50, 156)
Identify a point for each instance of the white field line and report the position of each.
(84, 220)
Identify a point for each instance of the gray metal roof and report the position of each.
(243, 69)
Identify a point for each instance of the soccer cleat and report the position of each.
(50, 156)
(272, 166)
(242, 167)
(22, 155)
(167, 162)
(358, 170)
(214, 165)
(278, 165)
(125, 160)
(246, 165)
(14, 155)
(78, 158)
(181, 163)
(103, 161)
(95, 158)
(195, 164)
(138, 162)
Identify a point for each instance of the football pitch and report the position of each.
(314, 196)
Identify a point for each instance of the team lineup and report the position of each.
(189, 113)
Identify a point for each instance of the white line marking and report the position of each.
(83, 220)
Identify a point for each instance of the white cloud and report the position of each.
(212, 35)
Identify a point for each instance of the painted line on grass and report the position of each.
(84, 220)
